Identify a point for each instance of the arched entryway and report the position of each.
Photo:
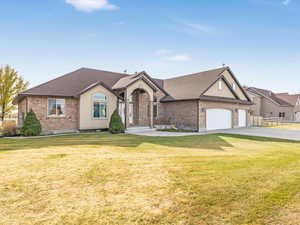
(139, 111)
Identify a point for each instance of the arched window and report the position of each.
(99, 106)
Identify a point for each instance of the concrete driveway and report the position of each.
(266, 132)
(253, 131)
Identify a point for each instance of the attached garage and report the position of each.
(297, 116)
(242, 118)
(218, 119)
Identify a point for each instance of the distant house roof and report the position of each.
(178, 88)
(292, 99)
(269, 95)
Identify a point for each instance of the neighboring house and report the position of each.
(86, 98)
(267, 104)
(294, 100)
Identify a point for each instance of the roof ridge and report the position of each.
(105, 71)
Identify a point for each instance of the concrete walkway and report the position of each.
(155, 133)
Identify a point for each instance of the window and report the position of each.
(282, 114)
(220, 85)
(99, 106)
(100, 97)
(56, 107)
(233, 86)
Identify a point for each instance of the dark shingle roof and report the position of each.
(73, 83)
(193, 85)
(179, 88)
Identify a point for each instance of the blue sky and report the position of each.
(258, 39)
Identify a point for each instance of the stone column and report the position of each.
(126, 110)
(151, 113)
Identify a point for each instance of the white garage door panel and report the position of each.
(242, 118)
(297, 116)
(218, 119)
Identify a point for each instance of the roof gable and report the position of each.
(220, 88)
(235, 85)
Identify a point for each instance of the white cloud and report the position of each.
(192, 28)
(286, 2)
(163, 51)
(91, 5)
(178, 58)
(198, 27)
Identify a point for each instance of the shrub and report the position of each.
(9, 128)
(116, 125)
(31, 126)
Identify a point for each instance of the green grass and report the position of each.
(125, 179)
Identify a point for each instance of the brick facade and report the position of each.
(40, 106)
(183, 114)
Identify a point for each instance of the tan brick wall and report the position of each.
(39, 106)
(158, 96)
(270, 109)
(219, 105)
(183, 114)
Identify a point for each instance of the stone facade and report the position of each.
(141, 109)
(40, 106)
(183, 114)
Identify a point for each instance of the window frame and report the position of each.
(56, 115)
(100, 101)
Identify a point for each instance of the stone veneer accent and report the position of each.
(40, 104)
(183, 114)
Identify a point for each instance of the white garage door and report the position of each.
(218, 119)
(242, 118)
(297, 116)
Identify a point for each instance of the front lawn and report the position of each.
(125, 179)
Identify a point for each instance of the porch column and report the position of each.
(126, 110)
(151, 113)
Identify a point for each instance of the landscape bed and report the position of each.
(126, 179)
